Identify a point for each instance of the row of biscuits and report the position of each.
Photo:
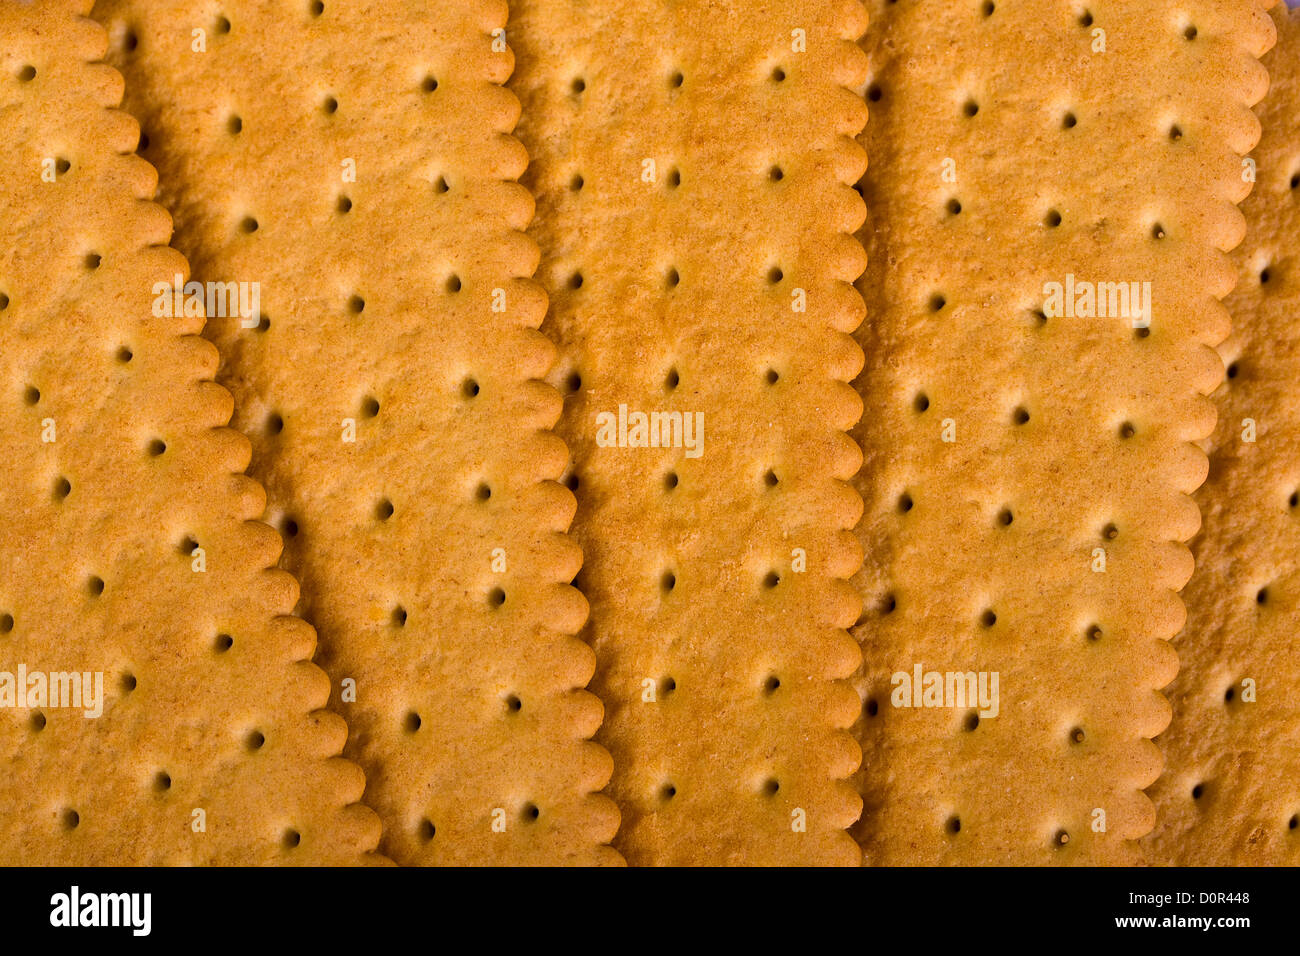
(578, 406)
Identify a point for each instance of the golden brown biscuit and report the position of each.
(1230, 793)
(356, 161)
(1028, 462)
(692, 164)
(157, 702)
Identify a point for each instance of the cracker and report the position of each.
(132, 557)
(397, 420)
(692, 165)
(1230, 793)
(1009, 151)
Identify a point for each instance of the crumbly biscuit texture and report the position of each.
(132, 558)
(1028, 467)
(692, 165)
(356, 160)
(1230, 792)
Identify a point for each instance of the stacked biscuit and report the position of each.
(601, 441)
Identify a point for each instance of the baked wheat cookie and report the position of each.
(692, 165)
(356, 162)
(1230, 792)
(158, 705)
(1050, 200)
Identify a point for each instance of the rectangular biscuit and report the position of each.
(1027, 452)
(356, 161)
(692, 164)
(1230, 793)
(158, 705)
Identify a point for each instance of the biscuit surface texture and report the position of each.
(692, 165)
(1230, 792)
(357, 161)
(131, 552)
(1027, 471)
